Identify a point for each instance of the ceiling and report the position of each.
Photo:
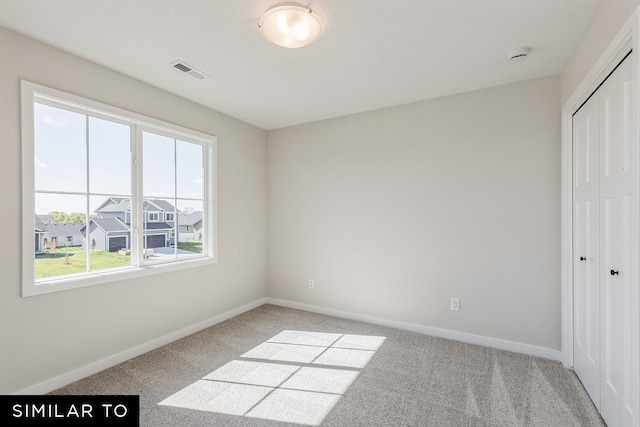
(373, 53)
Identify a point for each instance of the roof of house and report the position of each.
(64, 229)
(123, 204)
(191, 218)
(118, 205)
(39, 224)
(164, 205)
(47, 219)
(110, 224)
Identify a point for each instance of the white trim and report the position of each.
(106, 276)
(110, 361)
(210, 189)
(28, 181)
(625, 41)
(497, 343)
(83, 105)
(153, 213)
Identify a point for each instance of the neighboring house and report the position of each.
(110, 230)
(155, 210)
(190, 226)
(41, 230)
(107, 234)
(64, 234)
(46, 219)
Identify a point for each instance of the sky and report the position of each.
(171, 168)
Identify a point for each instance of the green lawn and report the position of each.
(55, 263)
(191, 246)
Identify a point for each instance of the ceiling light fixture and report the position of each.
(519, 54)
(291, 26)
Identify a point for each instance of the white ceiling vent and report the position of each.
(188, 69)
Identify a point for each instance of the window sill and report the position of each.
(67, 283)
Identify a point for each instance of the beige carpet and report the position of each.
(274, 366)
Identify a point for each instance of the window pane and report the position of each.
(60, 149)
(159, 165)
(59, 225)
(191, 232)
(109, 157)
(189, 169)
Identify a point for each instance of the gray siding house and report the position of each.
(41, 231)
(190, 227)
(107, 234)
(47, 232)
(110, 230)
(64, 234)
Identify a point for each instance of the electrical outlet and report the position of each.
(455, 304)
(312, 284)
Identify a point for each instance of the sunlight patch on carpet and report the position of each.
(286, 384)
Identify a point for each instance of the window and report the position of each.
(104, 175)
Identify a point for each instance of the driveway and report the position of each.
(168, 252)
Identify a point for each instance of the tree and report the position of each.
(65, 218)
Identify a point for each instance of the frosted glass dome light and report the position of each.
(291, 26)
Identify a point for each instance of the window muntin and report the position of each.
(79, 154)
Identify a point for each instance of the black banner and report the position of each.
(110, 410)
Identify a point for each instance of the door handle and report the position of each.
(582, 258)
(613, 272)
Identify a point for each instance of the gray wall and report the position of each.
(394, 211)
(45, 336)
(610, 17)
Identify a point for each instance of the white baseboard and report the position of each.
(100, 365)
(515, 347)
(95, 367)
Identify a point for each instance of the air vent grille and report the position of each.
(182, 67)
(188, 69)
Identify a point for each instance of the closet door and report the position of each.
(586, 264)
(615, 247)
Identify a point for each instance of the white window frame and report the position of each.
(32, 93)
(166, 217)
(156, 216)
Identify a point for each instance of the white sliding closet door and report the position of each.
(615, 245)
(586, 260)
(602, 246)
